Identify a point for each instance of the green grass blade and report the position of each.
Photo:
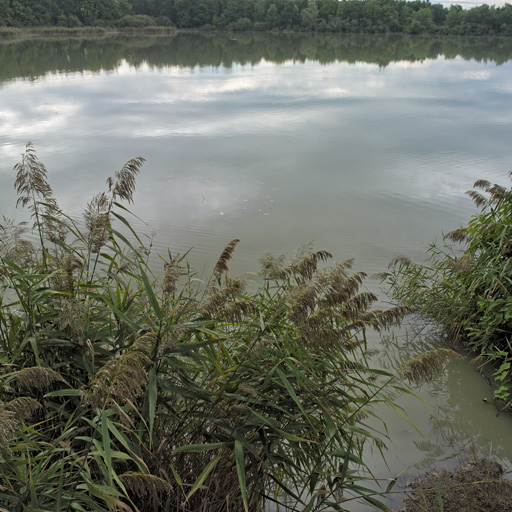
(240, 469)
(291, 391)
(204, 475)
(152, 397)
(189, 448)
(107, 448)
(150, 294)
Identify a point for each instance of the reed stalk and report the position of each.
(125, 391)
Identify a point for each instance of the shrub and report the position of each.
(241, 25)
(163, 21)
(136, 21)
(468, 290)
(125, 389)
(73, 21)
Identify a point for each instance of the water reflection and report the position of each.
(364, 145)
(36, 57)
(364, 160)
(458, 420)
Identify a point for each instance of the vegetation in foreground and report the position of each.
(361, 16)
(125, 391)
(468, 291)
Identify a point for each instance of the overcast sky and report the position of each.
(468, 4)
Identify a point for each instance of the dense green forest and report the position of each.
(369, 16)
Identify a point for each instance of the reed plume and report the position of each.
(32, 181)
(478, 198)
(237, 311)
(70, 317)
(122, 378)
(498, 193)
(305, 264)
(33, 189)
(97, 222)
(400, 260)
(13, 413)
(483, 184)
(464, 263)
(38, 377)
(304, 301)
(12, 244)
(357, 304)
(218, 299)
(171, 275)
(427, 364)
(222, 263)
(341, 286)
(272, 266)
(388, 318)
(122, 186)
(65, 279)
(8, 424)
(150, 491)
(23, 408)
(459, 235)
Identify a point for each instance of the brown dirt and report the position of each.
(474, 487)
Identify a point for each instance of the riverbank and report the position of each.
(149, 29)
(476, 486)
(26, 32)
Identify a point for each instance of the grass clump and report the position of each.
(465, 285)
(124, 389)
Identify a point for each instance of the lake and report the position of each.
(362, 145)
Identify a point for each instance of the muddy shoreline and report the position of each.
(473, 487)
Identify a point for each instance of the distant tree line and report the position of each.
(348, 16)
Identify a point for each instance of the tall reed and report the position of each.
(125, 390)
(465, 285)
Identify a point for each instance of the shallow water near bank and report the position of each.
(363, 145)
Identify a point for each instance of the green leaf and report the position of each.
(35, 348)
(204, 475)
(240, 469)
(63, 392)
(150, 293)
(107, 450)
(123, 317)
(198, 447)
(290, 390)
(126, 223)
(439, 501)
(152, 396)
(177, 478)
(377, 504)
(390, 486)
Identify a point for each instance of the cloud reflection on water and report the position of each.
(329, 137)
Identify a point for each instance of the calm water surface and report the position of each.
(364, 146)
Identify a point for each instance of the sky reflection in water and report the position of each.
(352, 156)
